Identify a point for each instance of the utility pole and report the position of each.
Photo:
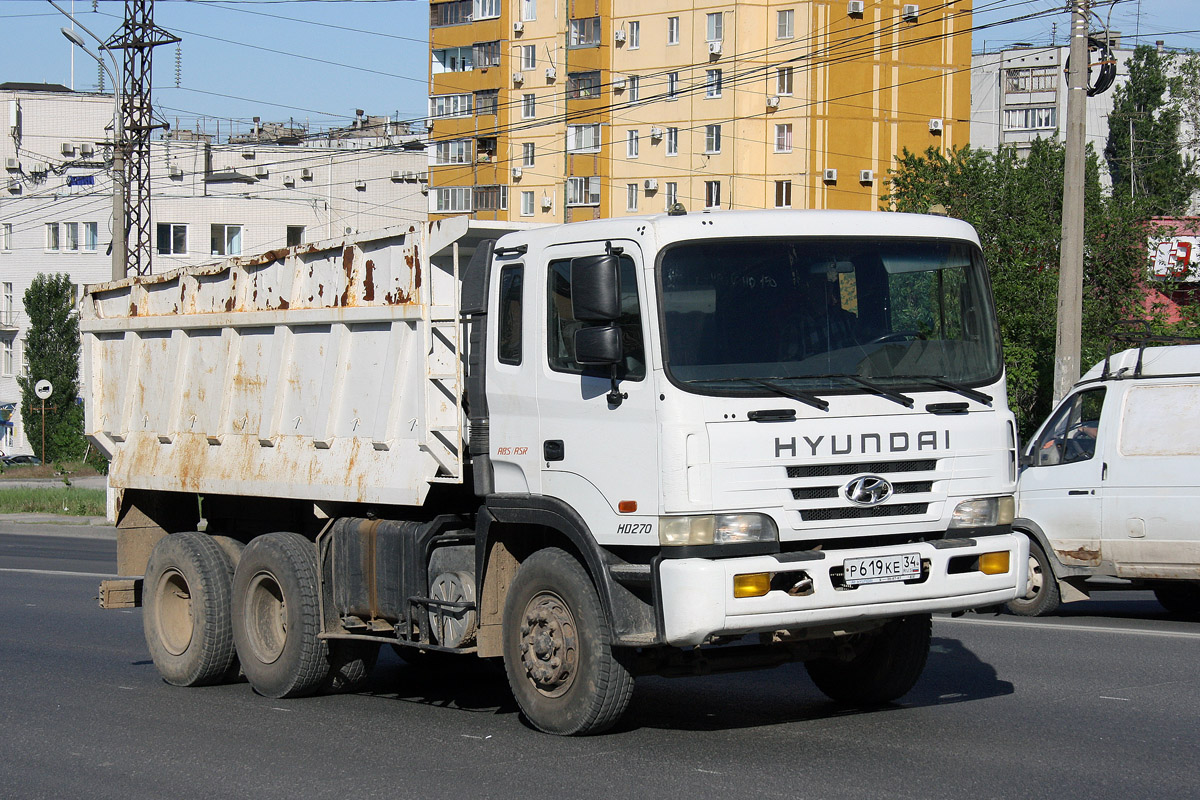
(1068, 335)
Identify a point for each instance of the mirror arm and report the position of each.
(615, 395)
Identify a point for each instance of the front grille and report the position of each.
(827, 514)
(877, 467)
(824, 492)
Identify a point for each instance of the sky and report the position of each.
(318, 61)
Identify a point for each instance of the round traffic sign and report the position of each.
(43, 389)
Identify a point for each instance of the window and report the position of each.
(511, 300)
(452, 198)
(783, 194)
(172, 239)
(6, 236)
(1034, 79)
(635, 34)
(486, 54)
(783, 138)
(295, 235)
(583, 85)
(631, 197)
(672, 194)
(583, 191)
(490, 198)
(7, 344)
(529, 56)
(712, 138)
(486, 101)
(6, 311)
(528, 10)
(457, 151)
(528, 106)
(52, 236)
(672, 141)
(631, 144)
(712, 194)
(71, 237)
(91, 235)
(672, 30)
(486, 9)
(452, 59)
(715, 26)
(457, 12)
(585, 32)
(527, 152)
(526, 204)
(1070, 435)
(450, 105)
(784, 24)
(485, 147)
(1030, 118)
(562, 325)
(635, 88)
(672, 85)
(226, 240)
(583, 138)
(783, 81)
(712, 83)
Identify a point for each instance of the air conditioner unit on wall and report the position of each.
(547, 202)
(68, 149)
(619, 35)
(656, 132)
(651, 185)
(516, 173)
(551, 73)
(935, 126)
(86, 149)
(866, 176)
(262, 171)
(518, 28)
(306, 175)
(397, 176)
(910, 12)
(518, 78)
(174, 172)
(829, 176)
(773, 101)
(855, 7)
(714, 48)
(12, 164)
(14, 185)
(288, 180)
(618, 84)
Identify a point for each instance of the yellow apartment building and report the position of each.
(580, 109)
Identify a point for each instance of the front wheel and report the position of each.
(1179, 597)
(558, 653)
(1041, 595)
(883, 667)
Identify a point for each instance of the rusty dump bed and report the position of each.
(328, 372)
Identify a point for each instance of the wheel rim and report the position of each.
(549, 644)
(266, 614)
(1036, 579)
(173, 612)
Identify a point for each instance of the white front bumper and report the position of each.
(698, 601)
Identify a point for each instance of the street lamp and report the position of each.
(119, 246)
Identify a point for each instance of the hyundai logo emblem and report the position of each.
(869, 490)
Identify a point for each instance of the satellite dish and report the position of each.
(43, 389)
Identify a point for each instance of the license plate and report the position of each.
(882, 569)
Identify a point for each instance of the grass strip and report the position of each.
(53, 500)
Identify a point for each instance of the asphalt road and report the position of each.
(1098, 703)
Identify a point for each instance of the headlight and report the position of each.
(986, 512)
(716, 529)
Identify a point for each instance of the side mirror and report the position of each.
(598, 345)
(595, 288)
(1025, 460)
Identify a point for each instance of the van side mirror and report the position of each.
(598, 345)
(596, 288)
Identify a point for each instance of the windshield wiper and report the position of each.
(883, 391)
(957, 388)
(795, 394)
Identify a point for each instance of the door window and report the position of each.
(562, 324)
(1070, 435)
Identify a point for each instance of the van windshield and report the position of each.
(808, 313)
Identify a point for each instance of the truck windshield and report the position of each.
(806, 313)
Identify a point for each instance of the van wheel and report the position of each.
(558, 653)
(883, 668)
(186, 610)
(276, 623)
(1041, 596)
(1179, 597)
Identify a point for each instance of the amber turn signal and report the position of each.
(627, 506)
(994, 563)
(752, 585)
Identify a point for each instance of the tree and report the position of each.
(52, 353)
(1152, 169)
(1015, 204)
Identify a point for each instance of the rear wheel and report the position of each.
(883, 667)
(1179, 597)
(186, 610)
(558, 651)
(1041, 595)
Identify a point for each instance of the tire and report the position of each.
(884, 667)
(276, 618)
(186, 610)
(558, 654)
(350, 664)
(1179, 597)
(1041, 596)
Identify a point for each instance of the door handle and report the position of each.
(553, 450)
(1079, 491)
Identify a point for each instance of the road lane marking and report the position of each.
(59, 572)
(1082, 628)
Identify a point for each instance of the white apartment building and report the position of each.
(208, 201)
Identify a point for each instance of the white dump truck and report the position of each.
(667, 444)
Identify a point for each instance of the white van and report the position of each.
(1110, 484)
